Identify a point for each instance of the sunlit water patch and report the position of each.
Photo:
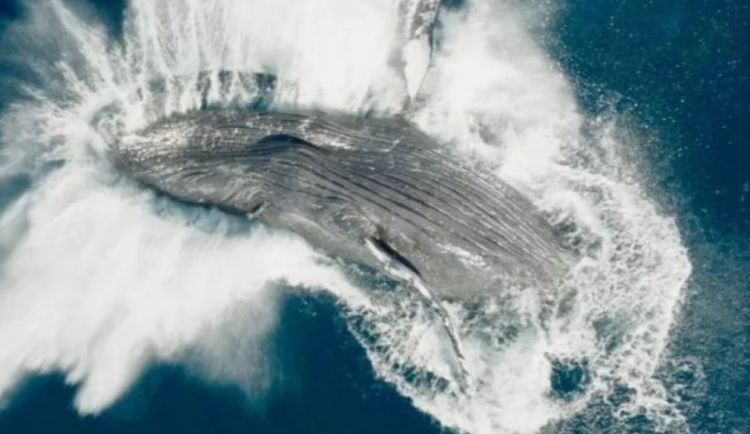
(101, 279)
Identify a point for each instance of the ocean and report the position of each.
(624, 121)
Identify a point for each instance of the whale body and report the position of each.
(373, 191)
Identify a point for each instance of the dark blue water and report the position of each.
(327, 387)
(681, 69)
(680, 72)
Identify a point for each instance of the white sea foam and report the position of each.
(99, 279)
(100, 285)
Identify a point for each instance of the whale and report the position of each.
(373, 191)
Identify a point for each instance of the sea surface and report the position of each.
(626, 122)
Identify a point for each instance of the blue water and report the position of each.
(680, 70)
(328, 387)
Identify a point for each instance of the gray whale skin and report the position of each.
(373, 191)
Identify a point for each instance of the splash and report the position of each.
(100, 279)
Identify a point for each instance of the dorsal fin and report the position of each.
(282, 142)
(278, 144)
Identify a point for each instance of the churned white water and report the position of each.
(100, 279)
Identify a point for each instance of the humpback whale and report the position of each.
(361, 189)
(373, 191)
